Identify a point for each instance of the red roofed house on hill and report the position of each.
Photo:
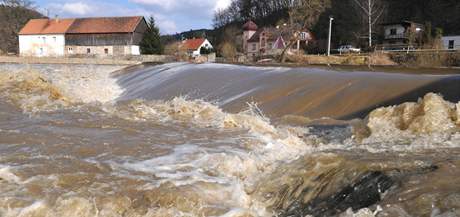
(193, 46)
(82, 36)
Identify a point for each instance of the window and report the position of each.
(451, 44)
(254, 46)
(106, 51)
(44, 39)
(54, 39)
(88, 50)
(270, 45)
(393, 31)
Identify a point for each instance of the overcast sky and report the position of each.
(171, 15)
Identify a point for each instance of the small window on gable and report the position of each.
(393, 31)
(254, 46)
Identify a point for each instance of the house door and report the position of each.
(451, 44)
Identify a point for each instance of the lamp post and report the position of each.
(329, 40)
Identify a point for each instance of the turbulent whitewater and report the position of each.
(221, 140)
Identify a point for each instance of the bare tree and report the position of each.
(302, 15)
(373, 10)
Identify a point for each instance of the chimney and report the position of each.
(56, 17)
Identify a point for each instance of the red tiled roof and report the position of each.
(46, 26)
(250, 26)
(81, 25)
(193, 44)
(105, 25)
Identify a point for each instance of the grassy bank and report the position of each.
(375, 59)
(427, 59)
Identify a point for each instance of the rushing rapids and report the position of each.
(221, 140)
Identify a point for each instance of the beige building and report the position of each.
(105, 36)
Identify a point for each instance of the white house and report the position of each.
(82, 36)
(451, 42)
(193, 46)
(43, 37)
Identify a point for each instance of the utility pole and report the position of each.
(370, 22)
(330, 32)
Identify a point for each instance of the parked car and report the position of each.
(348, 49)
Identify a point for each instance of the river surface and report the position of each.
(222, 140)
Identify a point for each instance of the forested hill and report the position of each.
(350, 24)
(13, 16)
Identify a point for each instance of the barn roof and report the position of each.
(104, 25)
(193, 44)
(81, 25)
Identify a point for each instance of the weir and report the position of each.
(310, 92)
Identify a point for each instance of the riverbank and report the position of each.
(122, 60)
(407, 63)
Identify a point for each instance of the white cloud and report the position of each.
(165, 4)
(209, 5)
(222, 4)
(76, 8)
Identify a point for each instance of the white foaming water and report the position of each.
(41, 89)
(234, 169)
(429, 124)
(7, 175)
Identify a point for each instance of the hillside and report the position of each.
(12, 19)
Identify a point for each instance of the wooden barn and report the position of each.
(109, 36)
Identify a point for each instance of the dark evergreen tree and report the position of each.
(151, 43)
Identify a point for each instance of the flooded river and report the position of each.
(232, 141)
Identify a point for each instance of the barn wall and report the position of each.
(138, 34)
(114, 39)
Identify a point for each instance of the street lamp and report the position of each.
(329, 41)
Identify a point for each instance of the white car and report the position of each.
(348, 49)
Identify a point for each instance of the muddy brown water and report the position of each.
(223, 140)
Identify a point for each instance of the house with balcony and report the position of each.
(402, 35)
